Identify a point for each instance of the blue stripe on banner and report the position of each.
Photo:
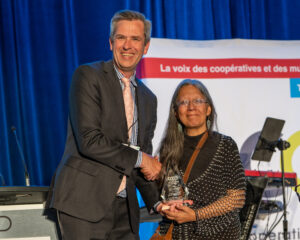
(295, 87)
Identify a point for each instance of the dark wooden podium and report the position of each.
(23, 216)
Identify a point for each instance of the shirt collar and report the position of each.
(120, 76)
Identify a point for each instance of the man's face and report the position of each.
(128, 45)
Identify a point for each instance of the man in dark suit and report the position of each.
(106, 153)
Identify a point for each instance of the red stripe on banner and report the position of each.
(218, 68)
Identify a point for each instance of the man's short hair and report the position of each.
(130, 15)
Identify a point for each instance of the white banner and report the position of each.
(249, 80)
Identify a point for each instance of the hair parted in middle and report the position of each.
(171, 146)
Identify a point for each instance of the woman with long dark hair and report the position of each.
(216, 182)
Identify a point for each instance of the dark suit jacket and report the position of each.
(95, 160)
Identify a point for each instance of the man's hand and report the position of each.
(150, 167)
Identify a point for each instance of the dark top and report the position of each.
(217, 169)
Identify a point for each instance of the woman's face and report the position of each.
(192, 110)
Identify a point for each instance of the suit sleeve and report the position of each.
(86, 116)
(149, 189)
(150, 132)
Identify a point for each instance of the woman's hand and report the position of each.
(170, 205)
(181, 214)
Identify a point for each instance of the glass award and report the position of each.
(173, 187)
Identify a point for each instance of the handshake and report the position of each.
(177, 210)
(150, 167)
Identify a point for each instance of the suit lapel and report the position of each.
(116, 92)
(141, 110)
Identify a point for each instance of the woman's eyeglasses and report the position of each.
(196, 102)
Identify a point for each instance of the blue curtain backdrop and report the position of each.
(42, 42)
